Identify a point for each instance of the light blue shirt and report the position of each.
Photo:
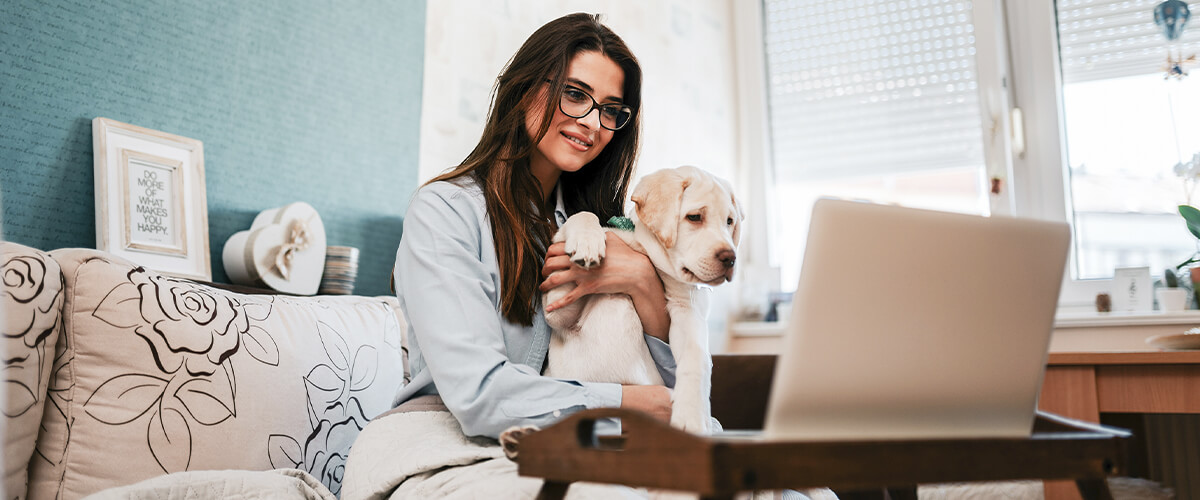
(487, 370)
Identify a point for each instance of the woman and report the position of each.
(561, 136)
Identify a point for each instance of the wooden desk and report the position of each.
(1082, 385)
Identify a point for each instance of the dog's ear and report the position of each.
(657, 200)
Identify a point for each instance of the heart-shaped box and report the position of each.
(284, 249)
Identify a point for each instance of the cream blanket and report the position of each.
(291, 484)
(419, 451)
(419, 437)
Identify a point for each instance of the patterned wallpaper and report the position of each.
(294, 100)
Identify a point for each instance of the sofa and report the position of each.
(115, 374)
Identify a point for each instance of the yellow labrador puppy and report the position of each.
(686, 221)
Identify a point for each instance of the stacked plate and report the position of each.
(341, 268)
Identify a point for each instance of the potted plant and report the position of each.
(1191, 215)
(1171, 298)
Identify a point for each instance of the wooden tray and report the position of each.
(652, 454)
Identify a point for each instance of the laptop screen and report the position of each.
(912, 323)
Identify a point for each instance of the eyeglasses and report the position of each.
(576, 103)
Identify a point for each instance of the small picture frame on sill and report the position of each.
(1132, 290)
(151, 205)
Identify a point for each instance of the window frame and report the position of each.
(1040, 176)
(1018, 69)
(760, 261)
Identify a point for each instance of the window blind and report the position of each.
(861, 87)
(1102, 39)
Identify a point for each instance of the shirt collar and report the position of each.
(560, 212)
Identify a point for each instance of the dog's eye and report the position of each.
(729, 221)
(694, 217)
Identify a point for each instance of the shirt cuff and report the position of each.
(604, 395)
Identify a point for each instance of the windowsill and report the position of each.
(1093, 319)
(1062, 320)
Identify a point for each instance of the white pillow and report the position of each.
(168, 375)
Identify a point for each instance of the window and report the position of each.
(1102, 129)
(1089, 76)
(874, 100)
(1127, 126)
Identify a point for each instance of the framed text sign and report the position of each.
(150, 199)
(153, 203)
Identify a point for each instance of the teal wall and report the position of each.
(295, 100)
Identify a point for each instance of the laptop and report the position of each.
(917, 324)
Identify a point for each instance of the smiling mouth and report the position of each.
(577, 141)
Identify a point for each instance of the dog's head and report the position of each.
(695, 221)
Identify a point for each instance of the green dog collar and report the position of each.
(622, 223)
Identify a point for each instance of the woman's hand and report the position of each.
(652, 399)
(624, 270)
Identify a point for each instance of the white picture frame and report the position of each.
(1132, 290)
(151, 203)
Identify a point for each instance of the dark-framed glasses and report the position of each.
(576, 103)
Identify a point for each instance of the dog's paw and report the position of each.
(688, 411)
(693, 423)
(584, 239)
(586, 248)
(510, 439)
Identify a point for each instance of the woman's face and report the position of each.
(571, 143)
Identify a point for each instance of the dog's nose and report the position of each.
(727, 257)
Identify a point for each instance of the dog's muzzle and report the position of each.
(727, 258)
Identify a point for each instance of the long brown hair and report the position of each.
(500, 162)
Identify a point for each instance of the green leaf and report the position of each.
(1192, 216)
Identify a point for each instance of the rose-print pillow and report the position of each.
(33, 297)
(163, 375)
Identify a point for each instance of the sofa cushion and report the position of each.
(165, 375)
(33, 296)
